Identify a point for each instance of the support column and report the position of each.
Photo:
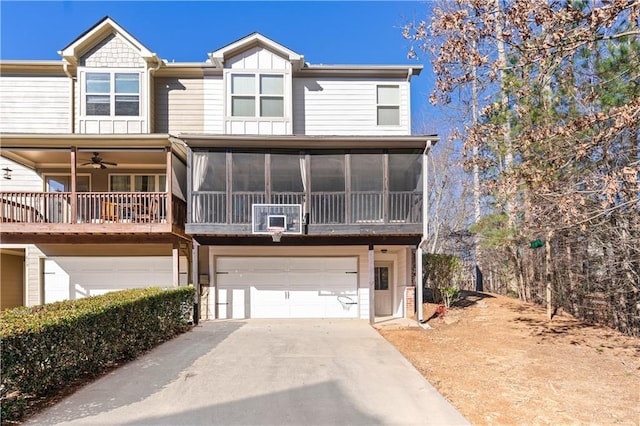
(372, 285)
(175, 262)
(169, 172)
(419, 283)
(196, 284)
(74, 189)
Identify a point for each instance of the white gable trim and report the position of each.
(72, 52)
(219, 56)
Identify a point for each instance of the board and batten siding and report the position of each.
(259, 60)
(34, 104)
(179, 105)
(341, 106)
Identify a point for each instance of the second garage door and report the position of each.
(287, 287)
(77, 277)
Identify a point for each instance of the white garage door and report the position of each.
(78, 277)
(287, 287)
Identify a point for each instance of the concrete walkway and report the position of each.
(262, 372)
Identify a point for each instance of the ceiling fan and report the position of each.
(98, 163)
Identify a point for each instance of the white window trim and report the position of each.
(398, 105)
(257, 95)
(157, 179)
(82, 74)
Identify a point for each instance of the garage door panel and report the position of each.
(233, 303)
(75, 277)
(293, 287)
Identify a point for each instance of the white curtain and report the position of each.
(303, 175)
(199, 173)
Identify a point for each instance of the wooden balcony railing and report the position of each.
(325, 208)
(91, 207)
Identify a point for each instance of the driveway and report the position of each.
(262, 372)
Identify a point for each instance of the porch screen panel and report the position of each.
(286, 179)
(327, 189)
(405, 188)
(248, 185)
(367, 181)
(209, 187)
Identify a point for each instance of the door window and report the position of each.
(381, 278)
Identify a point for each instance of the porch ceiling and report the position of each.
(53, 150)
(61, 158)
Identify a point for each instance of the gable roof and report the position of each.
(255, 39)
(97, 33)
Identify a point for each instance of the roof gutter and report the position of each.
(305, 142)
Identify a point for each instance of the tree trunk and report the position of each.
(547, 274)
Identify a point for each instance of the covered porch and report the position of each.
(84, 184)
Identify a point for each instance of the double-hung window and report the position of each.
(388, 105)
(257, 95)
(112, 94)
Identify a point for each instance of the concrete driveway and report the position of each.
(262, 372)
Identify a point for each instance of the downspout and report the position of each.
(150, 72)
(72, 97)
(74, 149)
(409, 74)
(425, 233)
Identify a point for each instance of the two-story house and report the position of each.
(92, 197)
(283, 189)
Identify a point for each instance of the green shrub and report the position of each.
(45, 347)
(443, 273)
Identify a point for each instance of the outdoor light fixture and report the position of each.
(7, 173)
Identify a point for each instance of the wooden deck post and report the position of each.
(74, 197)
(169, 185)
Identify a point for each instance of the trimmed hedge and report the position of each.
(46, 347)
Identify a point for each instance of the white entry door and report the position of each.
(287, 287)
(383, 288)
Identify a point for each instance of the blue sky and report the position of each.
(325, 32)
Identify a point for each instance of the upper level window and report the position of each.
(388, 103)
(259, 95)
(112, 93)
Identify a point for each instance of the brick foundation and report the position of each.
(410, 301)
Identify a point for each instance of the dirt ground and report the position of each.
(499, 361)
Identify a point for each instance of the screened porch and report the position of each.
(335, 188)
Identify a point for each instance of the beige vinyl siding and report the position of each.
(34, 104)
(179, 105)
(22, 178)
(333, 106)
(34, 263)
(152, 105)
(213, 104)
